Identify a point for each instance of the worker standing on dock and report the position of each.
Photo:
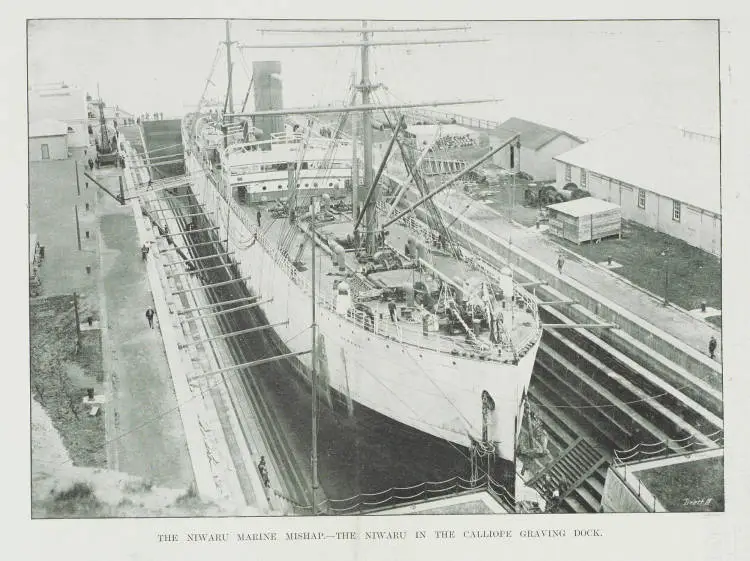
(150, 313)
(264, 472)
(257, 216)
(560, 263)
(712, 347)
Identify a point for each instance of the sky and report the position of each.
(583, 77)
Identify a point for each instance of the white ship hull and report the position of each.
(434, 392)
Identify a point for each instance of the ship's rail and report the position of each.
(280, 138)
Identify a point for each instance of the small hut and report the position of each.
(586, 219)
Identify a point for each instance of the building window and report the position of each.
(583, 178)
(568, 174)
(641, 198)
(676, 210)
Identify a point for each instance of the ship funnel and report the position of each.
(267, 92)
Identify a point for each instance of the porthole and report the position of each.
(330, 184)
(264, 187)
(307, 185)
(278, 186)
(315, 184)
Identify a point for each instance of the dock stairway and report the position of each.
(579, 473)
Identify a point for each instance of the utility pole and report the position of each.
(78, 229)
(314, 458)
(230, 101)
(78, 322)
(78, 183)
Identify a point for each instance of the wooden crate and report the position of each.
(579, 227)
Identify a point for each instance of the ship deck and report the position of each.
(521, 325)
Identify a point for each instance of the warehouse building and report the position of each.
(538, 146)
(64, 103)
(48, 140)
(665, 178)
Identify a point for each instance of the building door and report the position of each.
(45, 151)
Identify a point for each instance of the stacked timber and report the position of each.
(586, 219)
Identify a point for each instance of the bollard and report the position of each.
(90, 321)
(703, 306)
(90, 392)
(609, 260)
(88, 269)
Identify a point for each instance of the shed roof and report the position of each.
(669, 161)
(583, 207)
(534, 135)
(47, 127)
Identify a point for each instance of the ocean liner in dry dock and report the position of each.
(410, 325)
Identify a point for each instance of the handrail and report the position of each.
(426, 491)
(667, 447)
(636, 492)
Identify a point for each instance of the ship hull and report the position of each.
(433, 392)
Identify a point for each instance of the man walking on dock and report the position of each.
(560, 263)
(150, 313)
(712, 347)
(257, 216)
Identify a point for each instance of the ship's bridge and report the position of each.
(263, 168)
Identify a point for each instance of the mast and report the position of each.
(355, 158)
(314, 452)
(230, 101)
(371, 216)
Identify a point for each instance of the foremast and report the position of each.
(366, 87)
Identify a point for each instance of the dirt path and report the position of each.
(150, 439)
